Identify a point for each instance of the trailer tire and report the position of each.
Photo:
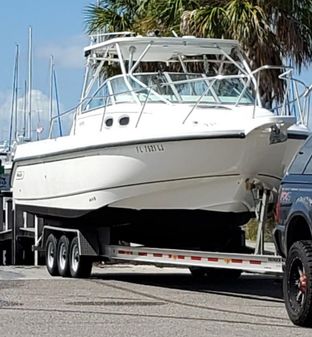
(50, 255)
(79, 266)
(297, 283)
(215, 274)
(63, 256)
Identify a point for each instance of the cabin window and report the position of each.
(124, 120)
(109, 122)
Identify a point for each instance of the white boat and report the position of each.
(165, 125)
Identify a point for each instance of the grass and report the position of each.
(251, 229)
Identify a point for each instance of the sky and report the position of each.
(58, 30)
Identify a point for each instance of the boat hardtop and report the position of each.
(163, 48)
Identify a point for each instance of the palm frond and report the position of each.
(110, 15)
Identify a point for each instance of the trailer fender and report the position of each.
(88, 241)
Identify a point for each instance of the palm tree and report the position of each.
(270, 31)
(136, 15)
(113, 15)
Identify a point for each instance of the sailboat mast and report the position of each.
(51, 89)
(29, 80)
(25, 110)
(14, 98)
(16, 92)
(53, 86)
(57, 103)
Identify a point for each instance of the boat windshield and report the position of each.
(189, 88)
(171, 87)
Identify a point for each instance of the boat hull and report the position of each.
(206, 173)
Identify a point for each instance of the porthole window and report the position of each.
(109, 122)
(124, 120)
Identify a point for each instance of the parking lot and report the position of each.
(125, 300)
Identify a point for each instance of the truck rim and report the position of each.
(298, 285)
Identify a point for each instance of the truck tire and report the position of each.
(79, 266)
(297, 283)
(63, 256)
(50, 255)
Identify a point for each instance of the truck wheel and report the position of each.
(50, 255)
(298, 283)
(62, 256)
(79, 266)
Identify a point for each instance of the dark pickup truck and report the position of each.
(293, 235)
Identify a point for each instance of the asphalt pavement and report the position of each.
(123, 300)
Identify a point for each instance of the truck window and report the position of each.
(302, 157)
(308, 169)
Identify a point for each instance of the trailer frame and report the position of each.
(90, 246)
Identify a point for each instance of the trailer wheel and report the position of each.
(79, 266)
(215, 274)
(50, 255)
(298, 283)
(62, 256)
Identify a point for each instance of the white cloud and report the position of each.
(5, 115)
(67, 54)
(40, 115)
